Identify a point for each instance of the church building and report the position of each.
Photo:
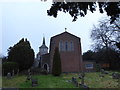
(70, 52)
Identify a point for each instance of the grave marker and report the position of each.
(8, 75)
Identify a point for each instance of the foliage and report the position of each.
(9, 67)
(89, 55)
(76, 9)
(105, 34)
(104, 55)
(21, 53)
(4, 59)
(97, 67)
(56, 68)
(106, 39)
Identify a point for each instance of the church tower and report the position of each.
(43, 49)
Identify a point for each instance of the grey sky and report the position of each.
(29, 20)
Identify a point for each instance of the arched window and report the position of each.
(71, 46)
(66, 46)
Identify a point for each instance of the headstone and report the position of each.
(82, 80)
(34, 82)
(103, 71)
(115, 75)
(80, 76)
(17, 71)
(8, 75)
(13, 73)
(29, 75)
(101, 75)
(74, 81)
(84, 86)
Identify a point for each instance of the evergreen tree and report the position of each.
(56, 68)
(21, 53)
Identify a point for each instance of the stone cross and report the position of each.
(65, 29)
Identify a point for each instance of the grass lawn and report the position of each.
(48, 81)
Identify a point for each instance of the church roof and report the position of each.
(65, 33)
(43, 44)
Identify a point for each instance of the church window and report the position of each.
(71, 46)
(89, 66)
(66, 46)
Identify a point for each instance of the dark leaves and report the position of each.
(76, 9)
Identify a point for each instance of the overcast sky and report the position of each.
(30, 20)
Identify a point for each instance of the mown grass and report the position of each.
(48, 81)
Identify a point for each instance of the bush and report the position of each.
(9, 67)
(56, 68)
(97, 68)
(44, 72)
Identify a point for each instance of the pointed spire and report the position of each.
(43, 40)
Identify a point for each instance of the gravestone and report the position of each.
(13, 73)
(84, 86)
(82, 80)
(8, 75)
(101, 75)
(34, 82)
(103, 71)
(17, 71)
(29, 75)
(115, 75)
(74, 81)
(80, 76)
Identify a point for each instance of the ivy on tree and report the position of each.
(21, 53)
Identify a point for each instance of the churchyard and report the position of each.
(71, 80)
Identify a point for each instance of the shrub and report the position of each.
(9, 67)
(56, 68)
(22, 53)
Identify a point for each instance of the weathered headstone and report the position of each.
(17, 71)
(84, 86)
(103, 71)
(34, 82)
(13, 73)
(29, 75)
(115, 75)
(74, 81)
(101, 75)
(8, 75)
(80, 76)
(82, 80)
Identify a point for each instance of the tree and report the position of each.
(105, 34)
(105, 38)
(21, 53)
(76, 9)
(56, 68)
(89, 55)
